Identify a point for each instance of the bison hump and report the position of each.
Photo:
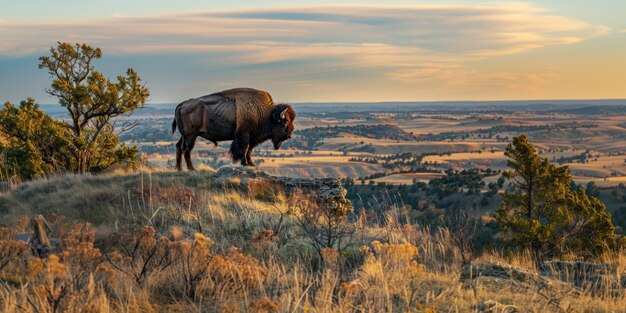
(247, 95)
(252, 105)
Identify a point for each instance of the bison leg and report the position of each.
(245, 148)
(249, 156)
(179, 154)
(239, 148)
(190, 142)
(235, 150)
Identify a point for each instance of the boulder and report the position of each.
(227, 172)
(495, 276)
(490, 306)
(496, 270)
(595, 277)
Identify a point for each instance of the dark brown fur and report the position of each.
(246, 116)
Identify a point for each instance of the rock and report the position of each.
(247, 172)
(328, 190)
(242, 177)
(494, 306)
(495, 276)
(596, 277)
(496, 270)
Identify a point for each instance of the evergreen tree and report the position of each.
(544, 214)
(93, 103)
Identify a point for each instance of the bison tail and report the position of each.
(174, 126)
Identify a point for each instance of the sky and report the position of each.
(325, 51)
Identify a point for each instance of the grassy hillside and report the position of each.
(223, 249)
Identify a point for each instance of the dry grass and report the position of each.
(221, 250)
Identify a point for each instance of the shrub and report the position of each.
(12, 252)
(387, 279)
(202, 273)
(138, 254)
(322, 218)
(193, 258)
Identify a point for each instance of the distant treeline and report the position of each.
(310, 138)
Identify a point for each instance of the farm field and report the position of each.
(357, 140)
(407, 178)
(326, 163)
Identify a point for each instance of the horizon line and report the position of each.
(430, 101)
(411, 101)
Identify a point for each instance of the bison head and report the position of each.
(282, 124)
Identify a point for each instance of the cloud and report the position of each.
(474, 31)
(601, 30)
(406, 44)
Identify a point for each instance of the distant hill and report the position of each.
(562, 106)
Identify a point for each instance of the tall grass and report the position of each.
(164, 241)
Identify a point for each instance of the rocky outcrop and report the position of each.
(496, 273)
(594, 278)
(599, 277)
(328, 190)
(491, 306)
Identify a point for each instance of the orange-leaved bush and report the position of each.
(140, 253)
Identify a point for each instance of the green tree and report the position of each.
(93, 103)
(544, 214)
(35, 144)
(592, 189)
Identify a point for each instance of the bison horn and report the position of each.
(279, 114)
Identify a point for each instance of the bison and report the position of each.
(246, 116)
